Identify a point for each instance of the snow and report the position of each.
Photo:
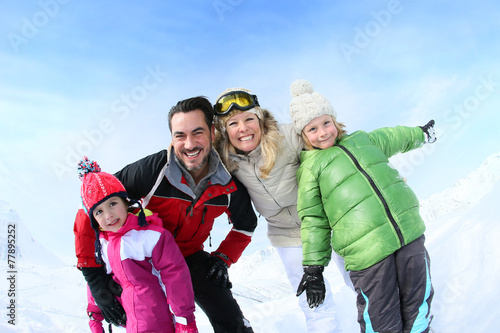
(462, 234)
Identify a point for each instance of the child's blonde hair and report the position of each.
(338, 125)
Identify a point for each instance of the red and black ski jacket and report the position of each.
(159, 182)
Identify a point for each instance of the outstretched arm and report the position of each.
(401, 139)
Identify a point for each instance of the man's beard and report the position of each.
(194, 168)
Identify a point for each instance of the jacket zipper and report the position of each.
(256, 172)
(379, 194)
(189, 211)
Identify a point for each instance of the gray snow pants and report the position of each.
(395, 294)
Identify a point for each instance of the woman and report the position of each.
(265, 156)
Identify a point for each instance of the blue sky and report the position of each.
(99, 78)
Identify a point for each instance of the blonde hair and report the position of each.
(270, 143)
(340, 129)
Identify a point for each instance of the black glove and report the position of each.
(429, 131)
(103, 288)
(314, 285)
(217, 272)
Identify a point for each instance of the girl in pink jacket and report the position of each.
(142, 256)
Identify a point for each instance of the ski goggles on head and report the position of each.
(240, 100)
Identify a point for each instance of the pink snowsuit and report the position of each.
(147, 263)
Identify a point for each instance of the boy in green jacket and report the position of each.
(351, 199)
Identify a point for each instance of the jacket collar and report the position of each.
(217, 173)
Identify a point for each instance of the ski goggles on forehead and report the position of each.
(240, 100)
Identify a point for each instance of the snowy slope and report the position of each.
(48, 293)
(30, 251)
(463, 230)
(463, 234)
(465, 193)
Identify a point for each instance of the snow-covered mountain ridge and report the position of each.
(28, 250)
(465, 193)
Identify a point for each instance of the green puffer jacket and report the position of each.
(351, 197)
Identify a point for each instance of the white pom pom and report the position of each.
(300, 87)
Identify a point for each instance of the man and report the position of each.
(188, 187)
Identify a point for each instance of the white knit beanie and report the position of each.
(307, 104)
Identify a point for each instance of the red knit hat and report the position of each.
(97, 186)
